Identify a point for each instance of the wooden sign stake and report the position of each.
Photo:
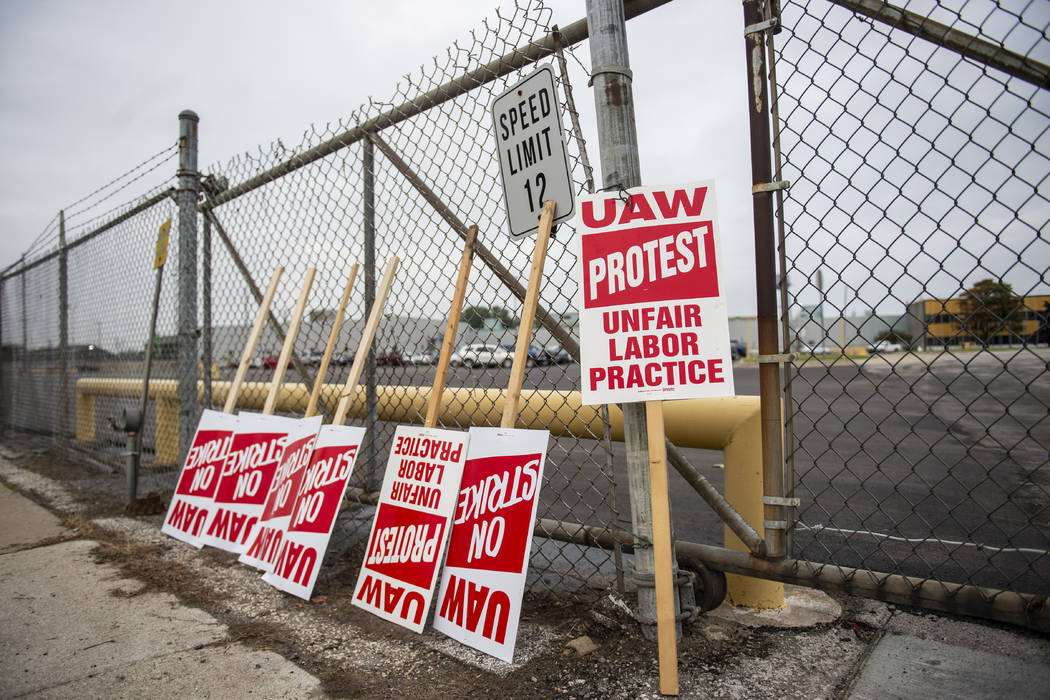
(289, 344)
(441, 373)
(253, 340)
(662, 554)
(366, 342)
(528, 316)
(333, 338)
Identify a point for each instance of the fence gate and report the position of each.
(917, 143)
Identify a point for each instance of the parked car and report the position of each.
(557, 355)
(390, 358)
(816, 349)
(270, 361)
(481, 354)
(536, 355)
(885, 346)
(737, 350)
(422, 358)
(313, 358)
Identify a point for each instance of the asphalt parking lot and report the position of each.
(931, 465)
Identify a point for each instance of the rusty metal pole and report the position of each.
(763, 188)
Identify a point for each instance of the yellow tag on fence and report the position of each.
(161, 256)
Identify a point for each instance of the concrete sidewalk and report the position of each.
(73, 627)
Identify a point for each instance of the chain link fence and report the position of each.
(914, 292)
(393, 181)
(917, 286)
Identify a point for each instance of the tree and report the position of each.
(477, 315)
(992, 309)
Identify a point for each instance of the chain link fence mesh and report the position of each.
(916, 175)
(917, 217)
(314, 216)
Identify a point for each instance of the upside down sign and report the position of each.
(411, 525)
(479, 601)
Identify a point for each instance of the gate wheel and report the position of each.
(710, 586)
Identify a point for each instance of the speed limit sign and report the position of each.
(534, 164)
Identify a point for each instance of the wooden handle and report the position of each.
(528, 315)
(333, 338)
(366, 342)
(441, 375)
(289, 343)
(666, 633)
(253, 339)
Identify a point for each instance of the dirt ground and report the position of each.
(357, 655)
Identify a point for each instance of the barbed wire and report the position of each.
(169, 150)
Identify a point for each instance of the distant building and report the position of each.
(937, 323)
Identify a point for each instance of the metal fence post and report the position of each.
(371, 396)
(206, 347)
(775, 512)
(618, 147)
(186, 197)
(63, 329)
(4, 389)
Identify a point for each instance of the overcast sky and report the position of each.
(92, 89)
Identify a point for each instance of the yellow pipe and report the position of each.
(743, 490)
(167, 431)
(701, 423)
(731, 424)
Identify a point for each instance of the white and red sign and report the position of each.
(479, 600)
(653, 322)
(411, 524)
(296, 557)
(193, 499)
(268, 531)
(245, 479)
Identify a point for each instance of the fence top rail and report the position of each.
(115, 221)
(518, 58)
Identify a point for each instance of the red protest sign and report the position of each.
(653, 323)
(245, 479)
(411, 524)
(313, 511)
(194, 494)
(479, 599)
(264, 541)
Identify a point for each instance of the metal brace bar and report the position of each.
(771, 186)
(781, 501)
(760, 27)
(775, 524)
(781, 359)
(619, 70)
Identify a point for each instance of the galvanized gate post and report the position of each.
(186, 197)
(618, 146)
(63, 329)
(371, 397)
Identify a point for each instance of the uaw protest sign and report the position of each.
(653, 321)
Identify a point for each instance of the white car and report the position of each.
(421, 358)
(481, 354)
(886, 346)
